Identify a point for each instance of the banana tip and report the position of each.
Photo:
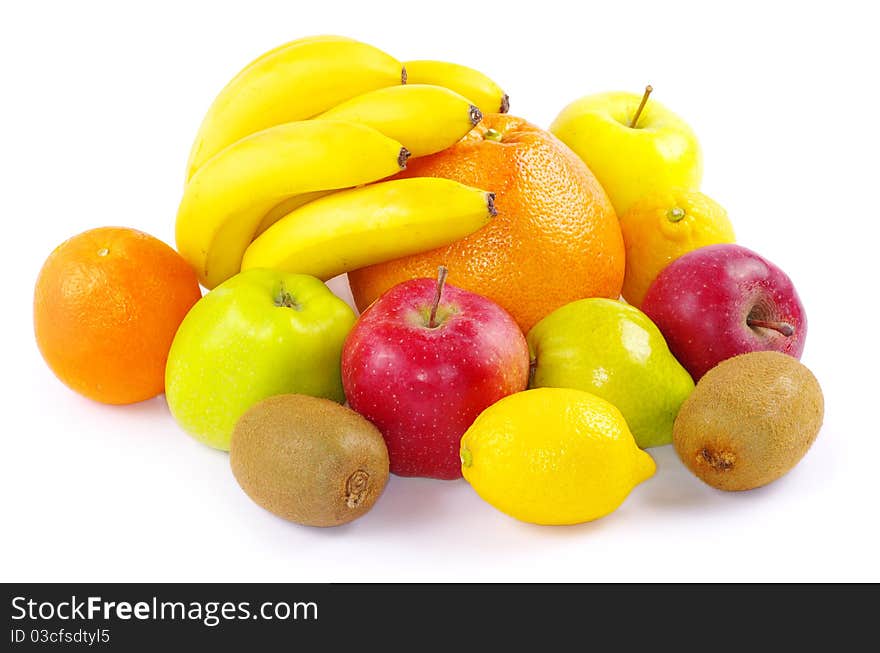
(403, 75)
(490, 204)
(402, 157)
(505, 104)
(475, 114)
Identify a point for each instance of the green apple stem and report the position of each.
(784, 328)
(635, 118)
(285, 300)
(442, 273)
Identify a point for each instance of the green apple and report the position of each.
(258, 334)
(614, 351)
(632, 152)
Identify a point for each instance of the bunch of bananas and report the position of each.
(276, 176)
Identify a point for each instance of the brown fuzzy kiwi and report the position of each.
(749, 420)
(309, 460)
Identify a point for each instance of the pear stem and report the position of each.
(784, 328)
(533, 369)
(442, 272)
(635, 118)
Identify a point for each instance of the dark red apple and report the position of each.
(422, 362)
(722, 300)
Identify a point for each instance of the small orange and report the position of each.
(663, 226)
(555, 239)
(107, 304)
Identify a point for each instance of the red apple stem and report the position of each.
(784, 328)
(635, 118)
(442, 273)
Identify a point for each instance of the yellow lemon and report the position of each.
(660, 227)
(553, 456)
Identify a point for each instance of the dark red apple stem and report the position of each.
(635, 118)
(783, 327)
(442, 272)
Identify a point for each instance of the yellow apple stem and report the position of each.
(635, 118)
(442, 272)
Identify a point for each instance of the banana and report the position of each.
(424, 118)
(299, 41)
(226, 200)
(293, 82)
(285, 207)
(362, 226)
(472, 84)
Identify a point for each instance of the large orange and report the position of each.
(106, 307)
(555, 239)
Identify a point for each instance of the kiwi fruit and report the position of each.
(749, 420)
(309, 460)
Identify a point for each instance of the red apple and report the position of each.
(723, 300)
(422, 362)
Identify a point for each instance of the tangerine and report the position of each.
(662, 226)
(107, 304)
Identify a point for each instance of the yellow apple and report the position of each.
(656, 153)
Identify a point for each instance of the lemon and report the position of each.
(553, 456)
(663, 226)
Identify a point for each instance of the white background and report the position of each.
(100, 102)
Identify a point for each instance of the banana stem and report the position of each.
(402, 157)
(442, 272)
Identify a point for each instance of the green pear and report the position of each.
(614, 351)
